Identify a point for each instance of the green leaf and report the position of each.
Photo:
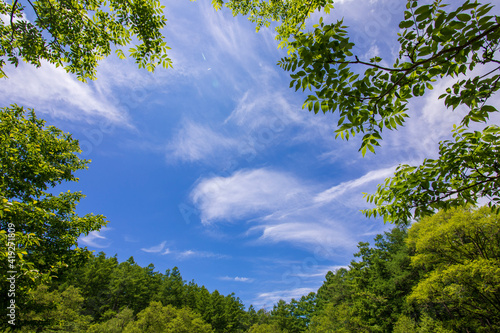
(464, 17)
(488, 108)
(406, 24)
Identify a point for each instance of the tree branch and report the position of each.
(367, 64)
(458, 191)
(416, 64)
(14, 5)
(491, 70)
(439, 54)
(56, 40)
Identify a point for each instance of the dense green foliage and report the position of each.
(39, 229)
(77, 34)
(460, 251)
(370, 295)
(440, 275)
(158, 318)
(103, 295)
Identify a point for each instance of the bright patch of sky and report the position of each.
(214, 167)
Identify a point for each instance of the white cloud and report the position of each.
(237, 279)
(51, 90)
(96, 239)
(317, 272)
(194, 142)
(221, 50)
(256, 108)
(283, 209)
(269, 298)
(199, 254)
(190, 254)
(309, 233)
(243, 279)
(244, 193)
(235, 39)
(272, 116)
(156, 248)
(338, 190)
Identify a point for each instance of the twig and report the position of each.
(12, 20)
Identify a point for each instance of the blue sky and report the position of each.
(214, 167)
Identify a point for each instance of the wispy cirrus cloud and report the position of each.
(182, 254)
(237, 279)
(52, 90)
(244, 193)
(256, 107)
(235, 39)
(338, 190)
(156, 248)
(188, 254)
(262, 119)
(195, 142)
(96, 239)
(319, 271)
(193, 254)
(267, 299)
(309, 233)
(284, 208)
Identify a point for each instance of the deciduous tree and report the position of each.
(76, 34)
(371, 294)
(52, 311)
(158, 318)
(460, 251)
(33, 159)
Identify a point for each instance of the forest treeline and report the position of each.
(440, 275)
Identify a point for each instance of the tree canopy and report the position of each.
(459, 250)
(439, 275)
(33, 159)
(77, 34)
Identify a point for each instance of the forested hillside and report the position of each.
(440, 275)
(106, 296)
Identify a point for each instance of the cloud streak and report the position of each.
(195, 142)
(284, 208)
(338, 190)
(52, 90)
(193, 254)
(96, 239)
(244, 193)
(267, 298)
(309, 233)
(237, 279)
(155, 249)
